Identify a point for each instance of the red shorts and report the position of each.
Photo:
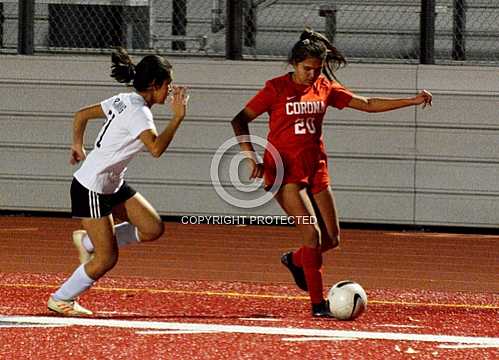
(307, 166)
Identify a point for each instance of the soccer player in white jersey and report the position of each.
(99, 193)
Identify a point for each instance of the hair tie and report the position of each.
(306, 41)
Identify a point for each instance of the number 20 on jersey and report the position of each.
(304, 126)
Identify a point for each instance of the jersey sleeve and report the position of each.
(263, 100)
(139, 122)
(339, 96)
(107, 104)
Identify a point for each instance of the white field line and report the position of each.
(173, 332)
(466, 346)
(315, 338)
(264, 330)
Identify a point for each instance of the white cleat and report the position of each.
(83, 254)
(67, 307)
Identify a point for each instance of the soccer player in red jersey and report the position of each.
(296, 103)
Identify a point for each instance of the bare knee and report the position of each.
(154, 233)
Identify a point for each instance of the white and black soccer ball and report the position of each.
(347, 300)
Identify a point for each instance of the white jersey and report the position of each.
(117, 143)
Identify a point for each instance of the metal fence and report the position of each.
(403, 31)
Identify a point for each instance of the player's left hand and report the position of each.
(424, 97)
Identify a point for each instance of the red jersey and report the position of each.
(296, 111)
(296, 114)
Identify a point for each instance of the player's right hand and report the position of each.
(77, 154)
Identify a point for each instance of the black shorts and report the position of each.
(89, 204)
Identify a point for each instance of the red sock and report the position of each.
(297, 257)
(312, 262)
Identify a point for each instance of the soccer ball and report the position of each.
(347, 300)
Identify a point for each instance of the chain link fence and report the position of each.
(378, 30)
(97, 25)
(360, 29)
(467, 30)
(459, 31)
(9, 26)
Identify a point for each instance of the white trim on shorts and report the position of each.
(93, 204)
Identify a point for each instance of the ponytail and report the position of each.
(122, 68)
(152, 70)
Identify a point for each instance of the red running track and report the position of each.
(175, 305)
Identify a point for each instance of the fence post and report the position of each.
(459, 28)
(329, 13)
(26, 25)
(217, 18)
(1, 25)
(427, 30)
(179, 22)
(234, 30)
(249, 27)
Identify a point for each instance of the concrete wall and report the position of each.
(411, 166)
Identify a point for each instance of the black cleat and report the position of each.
(297, 272)
(322, 310)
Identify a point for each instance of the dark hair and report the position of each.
(151, 70)
(315, 45)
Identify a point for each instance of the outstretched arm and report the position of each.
(79, 125)
(386, 104)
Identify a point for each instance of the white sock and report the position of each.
(126, 234)
(87, 243)
(75, 285)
